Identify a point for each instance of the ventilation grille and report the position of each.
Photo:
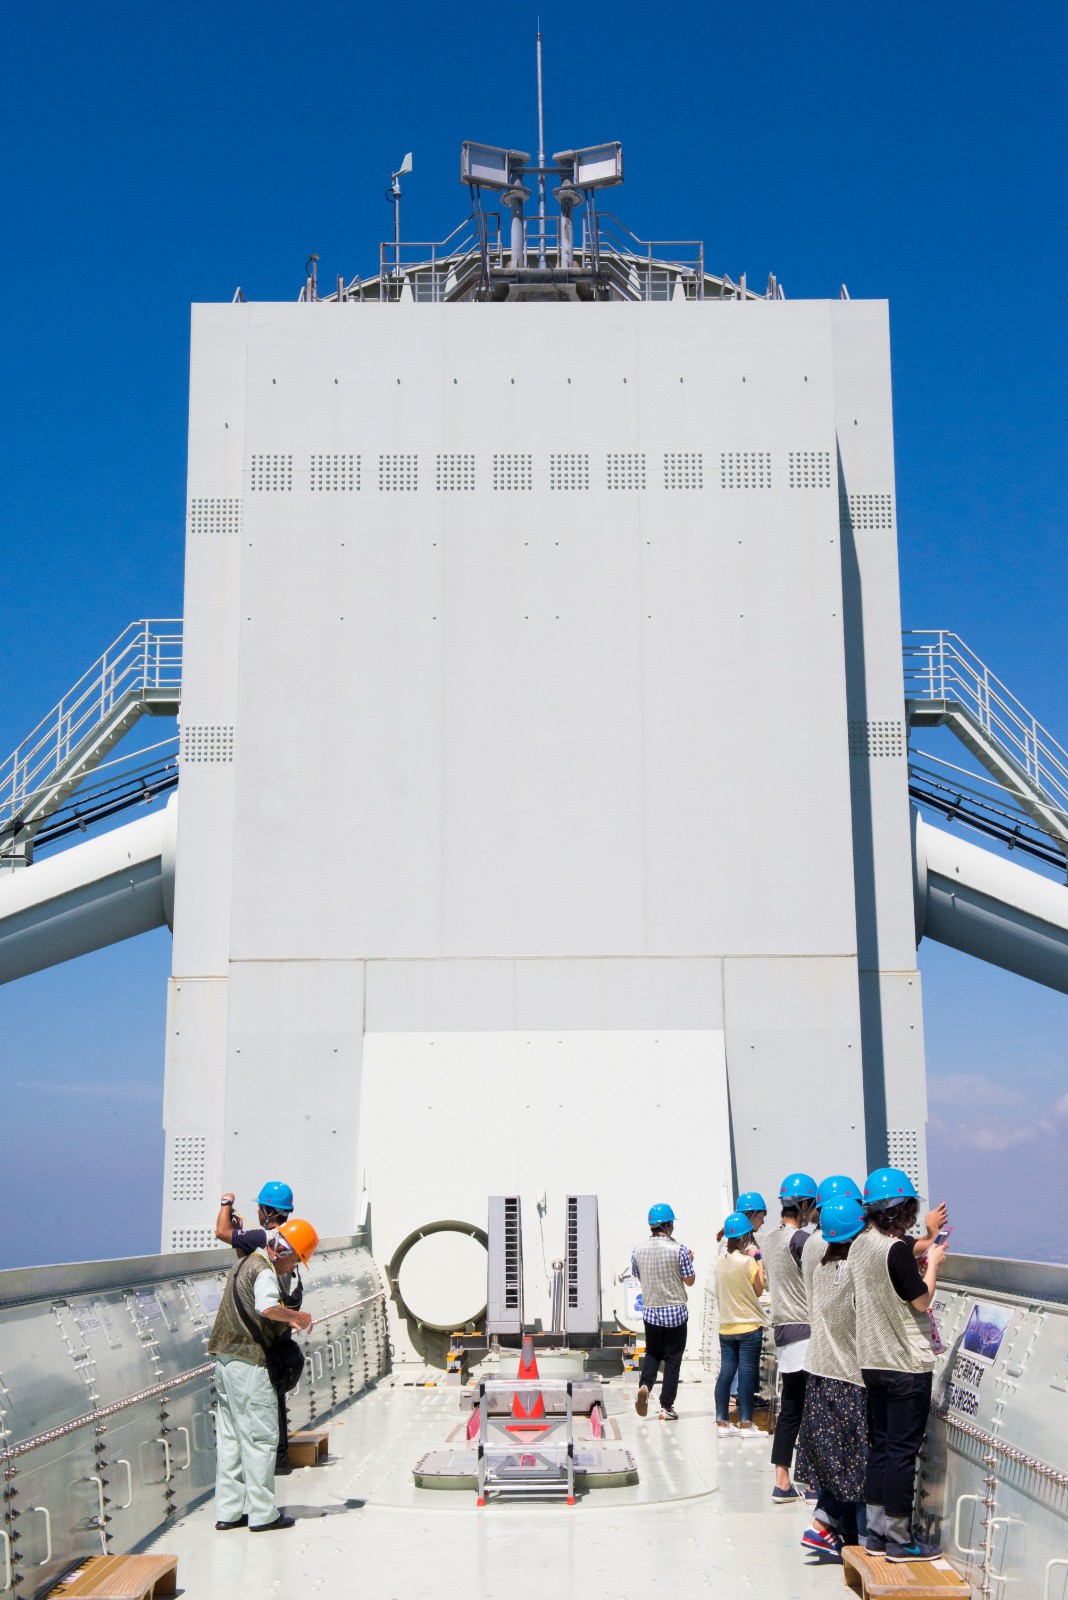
(513, 472)
(745, 469)
(208, 741)
(870, 511)
(572, 1252)
(903, 1150)
(398, 472)
(513, 1259)
(626, 470)
(684, 469)
(334, 472)
(218, 517)
(569, 471)
(193, 1239)
(885, 738)
(270, 473)
(810, 469)
(187, 1166)
(456, 472)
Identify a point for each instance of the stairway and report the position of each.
(139, 674)
(946, 685)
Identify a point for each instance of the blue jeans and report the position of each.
(738, 1353)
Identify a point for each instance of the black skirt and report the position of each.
(832, 1447)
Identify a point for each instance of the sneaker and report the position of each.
(915, 1550)
(875, 1544)
(280, 1521)
(812, 1494)
(785, 1497)
(748, 1431)
(668, 1414)
(822, 1539)
(726, 1430)
(641, 1405)
(224, 1527)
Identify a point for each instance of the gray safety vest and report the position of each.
(891, 1336)
(787, 1286)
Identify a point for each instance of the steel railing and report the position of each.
(145, 661)
(939, 667)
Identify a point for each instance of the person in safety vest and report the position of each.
(665, 1270)
(781, 1253)
(251, 1319)
(275, 1205)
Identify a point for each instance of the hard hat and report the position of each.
(300, 1237)
(275, 1197)
(750, 1200)
(837, 1188)
(888, 1186)
(798, 1186)
(841, 1218)
(660, 1213)
(737, 1225)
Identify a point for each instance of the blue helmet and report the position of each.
(750, 1200)
(737, 1225)
(275, 1197)
(660, 1213)
(841, 1218)
(888, 1186)
(837, 1188)
(798, 1186)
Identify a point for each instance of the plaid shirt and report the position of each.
(666, 1316)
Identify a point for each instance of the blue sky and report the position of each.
(155, 158)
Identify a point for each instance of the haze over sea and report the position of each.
(156, 158)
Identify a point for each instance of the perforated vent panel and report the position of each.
(745, 469)
(871, 511)
(188, 1152)
(684, 469)
(569, 471)
(810, 469)
(903, 1150)
(398, 472)
(513, 472)
(334, 472)
(879, 738)
(208, 741)
(194, 1239)
(626, 469)
(268, 473)
(218, 517)
(455, 471)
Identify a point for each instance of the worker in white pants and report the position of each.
(251, 1317)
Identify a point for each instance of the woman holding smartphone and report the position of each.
(896, 1357)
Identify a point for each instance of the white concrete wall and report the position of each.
(551, 758)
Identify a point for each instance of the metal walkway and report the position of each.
(141, 673)
(946, 685)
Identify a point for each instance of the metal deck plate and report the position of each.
(700, 1521)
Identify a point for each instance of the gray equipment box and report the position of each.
(582, 1266)
(504, 1290)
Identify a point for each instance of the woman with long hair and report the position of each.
(739, 1278)
(896, 1358)
(832, 1447)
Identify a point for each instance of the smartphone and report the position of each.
(943, 1233)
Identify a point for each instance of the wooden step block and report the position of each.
(121, 1578)
(308, 1446)
(875, 1578)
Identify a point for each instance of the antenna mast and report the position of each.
(541, 162)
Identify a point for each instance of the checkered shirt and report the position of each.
(666, 1316)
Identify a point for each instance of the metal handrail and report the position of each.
(1001, 1447)
(939, 666)
(92, 1418)
(146, 656)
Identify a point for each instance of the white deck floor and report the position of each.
(700, 1521)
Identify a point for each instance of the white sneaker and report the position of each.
(751, 1432)
(727, 1430)
(668, 1414)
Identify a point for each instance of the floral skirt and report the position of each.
(832, 1447)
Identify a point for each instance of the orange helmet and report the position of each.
(300, 1237)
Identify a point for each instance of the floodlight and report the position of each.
(594, 168)
(488, 167)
